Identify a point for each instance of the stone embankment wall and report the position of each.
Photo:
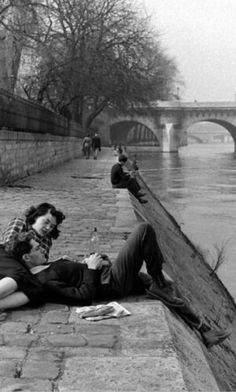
(207, 295)
(24, 153)
(33, 138)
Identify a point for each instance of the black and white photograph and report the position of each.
(117, 195)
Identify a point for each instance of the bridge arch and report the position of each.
(130, 132)
(108, 121)
(223, 123)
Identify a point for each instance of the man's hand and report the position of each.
(94, 261)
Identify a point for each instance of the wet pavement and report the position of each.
(50, 348)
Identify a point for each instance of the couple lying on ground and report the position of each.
(27, 276)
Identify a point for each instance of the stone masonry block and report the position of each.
(107, 341)
(12, 353)
(122, 374)
(64, 341)
(53, 329)
(13, 327)
(84, 327)
(26, 385)
(40, 354)
(31, 316)
(82, 352)
(8, 368)
(40, 370)
(55, 317)
(19, 339)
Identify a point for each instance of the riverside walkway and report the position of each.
(50, 348)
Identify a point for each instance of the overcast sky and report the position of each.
(201, 36)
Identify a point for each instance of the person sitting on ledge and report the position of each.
(96, 277)
(120, 179)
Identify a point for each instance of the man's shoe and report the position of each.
(163, 280)
(141, 194)
(211, 338)
(143, 201)
(164, 295)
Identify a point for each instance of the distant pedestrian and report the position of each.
(120, 149)
(96, 145)
(86, 145)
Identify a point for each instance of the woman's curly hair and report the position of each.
(42, 209)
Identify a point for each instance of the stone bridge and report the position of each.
(167, 122)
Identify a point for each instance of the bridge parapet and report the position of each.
(180, 105)
(169, 121)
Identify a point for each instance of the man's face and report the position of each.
(37, 254)
(44, 224)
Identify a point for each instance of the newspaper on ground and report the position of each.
(101, 312)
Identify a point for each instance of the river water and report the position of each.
(198, 187)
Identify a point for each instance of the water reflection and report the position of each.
(198, 186)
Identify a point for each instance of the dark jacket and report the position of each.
(118, 176)
(96, 142)
(69, 282)
(72, 283)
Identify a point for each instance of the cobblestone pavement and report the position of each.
(50, 348)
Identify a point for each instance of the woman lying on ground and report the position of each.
(17, 285)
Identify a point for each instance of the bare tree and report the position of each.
(90, 54)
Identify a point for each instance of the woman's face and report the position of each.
(44, 224)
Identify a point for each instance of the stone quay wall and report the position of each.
(33, 138)
(25, 153)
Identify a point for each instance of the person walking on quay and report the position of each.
(96, 277)
(86, 145)
(96, 145)
(120, 179)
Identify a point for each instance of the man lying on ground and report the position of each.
(76, 283)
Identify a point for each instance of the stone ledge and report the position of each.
(136, 344)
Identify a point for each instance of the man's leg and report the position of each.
(130, 259)
(209, 336)
(141, 245)
(133, 186)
